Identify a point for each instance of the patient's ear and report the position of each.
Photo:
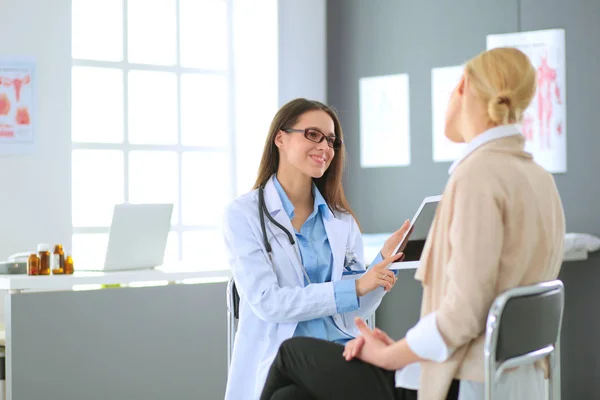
(461, 85)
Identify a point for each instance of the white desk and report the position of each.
(103, 343)
(67, 282)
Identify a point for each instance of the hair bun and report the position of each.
(501, 107)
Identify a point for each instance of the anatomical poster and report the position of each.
(545, 121)
(443, 82)
(384, 121)
(17, 105)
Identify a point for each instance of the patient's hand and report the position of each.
(354, 346)
(381, 335)
(394, 240)
(377, 348)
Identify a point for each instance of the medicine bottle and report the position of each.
(44, 253)
(69, 266)
(33, 265)
(58, 260)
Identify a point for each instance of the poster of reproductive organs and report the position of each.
(545, 121)
(16, 104)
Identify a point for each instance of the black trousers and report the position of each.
(312, 369)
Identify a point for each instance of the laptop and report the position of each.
(413, 242)
(137, 238)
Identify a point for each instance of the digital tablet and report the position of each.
(414, 240)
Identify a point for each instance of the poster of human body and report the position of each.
(384, 121)
(545, 121)
(16, 105)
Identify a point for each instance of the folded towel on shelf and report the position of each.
(581, 241)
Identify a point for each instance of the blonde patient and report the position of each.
(500, 224)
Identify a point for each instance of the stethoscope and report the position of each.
(262, 211)
(350, 258)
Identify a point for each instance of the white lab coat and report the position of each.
(273, 298)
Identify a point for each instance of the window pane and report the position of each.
(172, 249)
(89, 250)
(97, 105)
(152, 107)
(206, 249)
(206, 187)
(151, 31)
(203, 33)
(91, 37)
(154, 178)
(96, 186)
(204, 114)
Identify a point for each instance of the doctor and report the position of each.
(295, 248)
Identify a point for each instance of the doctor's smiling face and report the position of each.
(305, 141)
(308, 145)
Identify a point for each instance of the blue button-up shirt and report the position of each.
(317, 259)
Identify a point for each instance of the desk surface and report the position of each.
(66, 282)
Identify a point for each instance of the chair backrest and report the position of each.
(529, 323)
(524, 325)
(235, 300)
(233, 315)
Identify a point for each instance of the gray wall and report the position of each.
(367, 38)
(302, 49)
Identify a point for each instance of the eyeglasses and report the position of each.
(316, 136)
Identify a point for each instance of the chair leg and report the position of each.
(554, 374)
(230, 327)
(490, 376)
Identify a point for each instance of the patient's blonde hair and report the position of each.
(505, 80)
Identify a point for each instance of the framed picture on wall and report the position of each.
(17, 105)
(545, 121)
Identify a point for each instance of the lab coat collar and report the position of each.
(495, 133)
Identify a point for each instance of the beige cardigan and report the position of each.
(500, 224)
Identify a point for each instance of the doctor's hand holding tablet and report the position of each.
(379, 274)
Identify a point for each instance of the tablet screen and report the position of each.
(413, 243)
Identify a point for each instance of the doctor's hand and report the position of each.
(378, 275)
(394, 240)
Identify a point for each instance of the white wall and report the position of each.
(279, 54)
(302, 50)
(283, 60)
(35, 194)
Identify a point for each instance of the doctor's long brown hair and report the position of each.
(330, 184)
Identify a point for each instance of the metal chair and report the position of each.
(524, 326)
(233, 315)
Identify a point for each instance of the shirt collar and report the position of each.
(320, 204)
(495, 133)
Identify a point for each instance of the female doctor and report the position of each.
(295, 248)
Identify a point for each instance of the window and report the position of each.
(151, 106)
